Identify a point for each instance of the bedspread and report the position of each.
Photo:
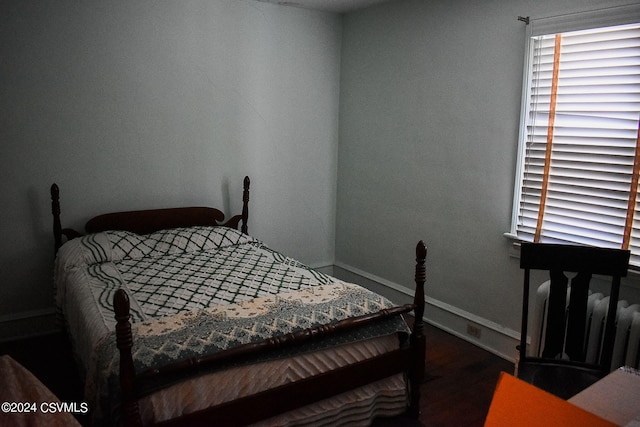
(195, 291)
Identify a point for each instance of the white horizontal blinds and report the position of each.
(593, 120)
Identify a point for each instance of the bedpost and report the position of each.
(245, 204)
(418, 341)
(130, 413)
(55, 210)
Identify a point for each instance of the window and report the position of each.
(579, 162)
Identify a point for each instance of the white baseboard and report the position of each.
(485, 333)
(28, 324)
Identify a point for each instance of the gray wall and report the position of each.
(430, 104)
(145, 103)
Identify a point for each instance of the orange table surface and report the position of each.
(517, 403)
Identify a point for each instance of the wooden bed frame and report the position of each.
(409, 360)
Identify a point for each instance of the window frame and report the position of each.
(612, 16)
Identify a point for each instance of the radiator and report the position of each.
(626, 350)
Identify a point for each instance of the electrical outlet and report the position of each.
(474, 331)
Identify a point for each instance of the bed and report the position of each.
(178, 317)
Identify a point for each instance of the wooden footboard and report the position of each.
(409, 360)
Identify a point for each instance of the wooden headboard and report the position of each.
(149, 221)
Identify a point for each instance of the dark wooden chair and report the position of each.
(561, 369)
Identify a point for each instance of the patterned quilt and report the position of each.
(194, 291)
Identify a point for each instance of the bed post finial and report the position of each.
(245, 205)
(55, 210)
(418, 341)
(124, 340)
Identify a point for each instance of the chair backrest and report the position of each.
(566, 326)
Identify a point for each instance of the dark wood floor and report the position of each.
(457, 390)
(459, 384)
(462, 381)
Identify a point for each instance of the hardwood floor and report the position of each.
(457, 390)
(462, 380)
(459, 384)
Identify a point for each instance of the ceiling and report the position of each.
(338, 6)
